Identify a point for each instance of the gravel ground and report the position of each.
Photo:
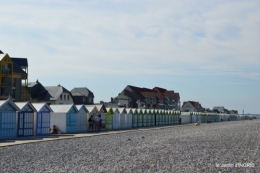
(215, 147)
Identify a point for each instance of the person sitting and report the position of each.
(54, 130)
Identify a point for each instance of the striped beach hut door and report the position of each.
(71, 120)
(25, 123)
(43, 123)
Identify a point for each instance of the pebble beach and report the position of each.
(215, 147)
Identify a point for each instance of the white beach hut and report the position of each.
(122, 118)
(116, 118)
(64, 117)
(92, 110)
(129, 114)
(81, 118)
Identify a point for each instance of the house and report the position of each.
(219, 109)
(82, 96)
(49, 94)
(135, 97)
(192, 106)
(13, 72)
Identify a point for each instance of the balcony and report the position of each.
(6, 71)
(4, 96)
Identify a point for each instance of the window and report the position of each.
(61, 97)
(64, 97)
(84, 99)
(89, 100)
(68, 98)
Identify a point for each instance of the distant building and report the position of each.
(135, 97)
(219, 109)
(192, 106)
(13, 74)
(49, 94)
(82, 96)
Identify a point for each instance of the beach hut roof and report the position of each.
(63, 108)
(4, 103)
(101, 107)
(115, 109)
(121, 110)
(90, 108)
(42, 107)
(129, 110)
(23, 106)
(79, 107)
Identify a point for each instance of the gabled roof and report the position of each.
(39, 106)
(63, 108)
(128, 110)
(18, 69)
(91, 108)
(25, 105)
(81, 92)
(79, 107)
(100, 106)
(1, 52)
(121, 110)
(22, 62)
(54, 92)
(193, 103)
(115, 109)
(3, 103)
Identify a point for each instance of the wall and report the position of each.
(66, 101)
(58, 119)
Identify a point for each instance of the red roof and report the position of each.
(195, 104)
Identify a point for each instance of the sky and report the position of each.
(208, 51)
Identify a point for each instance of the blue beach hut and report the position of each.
(64, 118)
(8, 119)
(81, 119)
(25, 119)
(42, 118)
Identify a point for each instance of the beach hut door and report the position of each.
(71, 122)
(43, 123)
(25, 124)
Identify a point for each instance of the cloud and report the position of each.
(151, 37)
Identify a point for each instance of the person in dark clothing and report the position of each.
(100, 123)
(91, 123)
(179, 120)
(54, 130)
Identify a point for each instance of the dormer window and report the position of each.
(64, 97)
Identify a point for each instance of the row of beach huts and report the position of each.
(23, 119)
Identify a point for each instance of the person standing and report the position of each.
(97, 122)
(91, 122)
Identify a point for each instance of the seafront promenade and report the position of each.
(231, 146)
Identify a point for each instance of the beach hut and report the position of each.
(167, 121)
(134, 117)
(92, 110)
(170, 117)
(157, 117)
(144, 120)
(152, 117)
(42, 117)
(186, 117)
(64, 117)
(129, 117)
(116, 118)
(26, 120)
(160, 117)
(148, 117)
(139, 117)
(122, 118)
(102, 111)
(81, 118)
(8, 119)
(109, 119)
